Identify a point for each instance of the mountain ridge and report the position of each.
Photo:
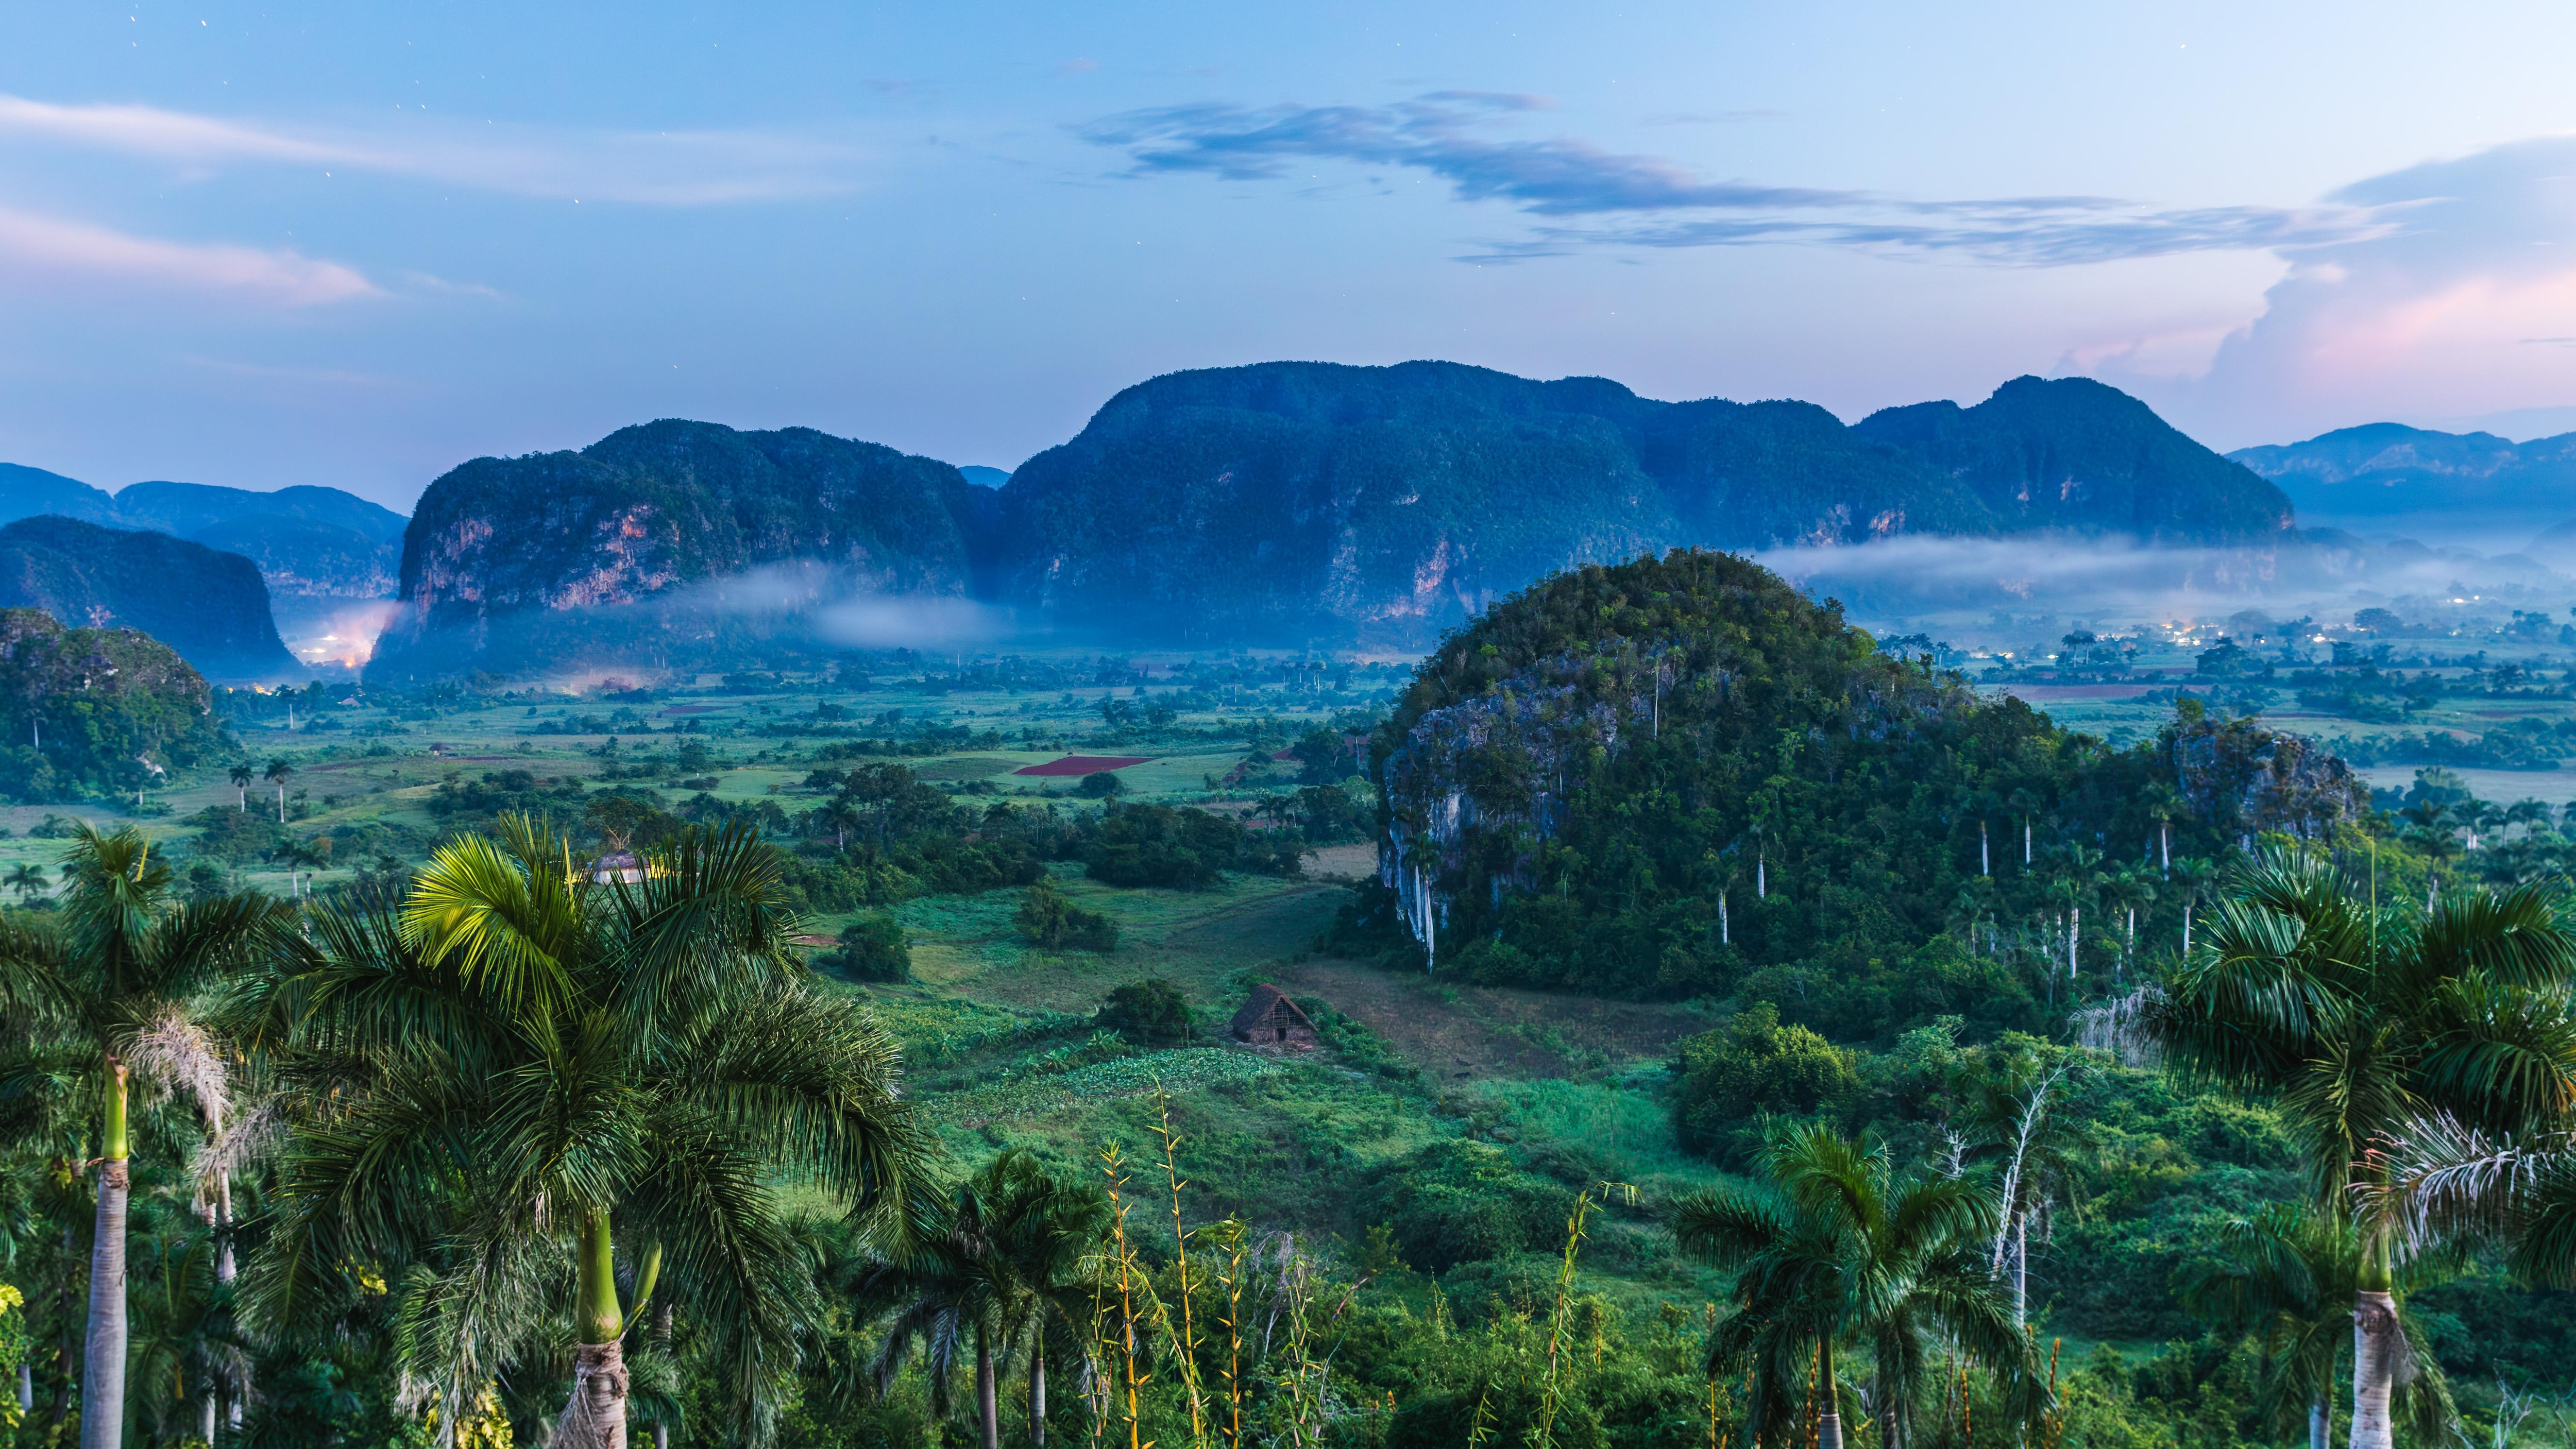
(209, 606)
(2379, 470)
(1312, 501)
(305, 540)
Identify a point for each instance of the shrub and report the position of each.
(1146, 1012)
(1051, 920)
(1462, 1201)
(1751, 1066)
(1101, 784)
(872, 949)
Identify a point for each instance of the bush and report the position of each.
(1462, 1201)
(1101, 784)
(229, 834)
(1150, 1012)
(872, 949)
(1160, 845)
(1751, 1066)
(1051, 920)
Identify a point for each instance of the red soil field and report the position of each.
(1083, 765)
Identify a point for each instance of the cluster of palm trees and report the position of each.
(515, 1097)
(2424, 1060)
(278, 772)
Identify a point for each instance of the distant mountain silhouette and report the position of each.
(305, 540)
(2387, 469)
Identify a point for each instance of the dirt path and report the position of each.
(1475, 1031)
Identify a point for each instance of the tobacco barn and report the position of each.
(1269, 1018)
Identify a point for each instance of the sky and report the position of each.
(277, 244)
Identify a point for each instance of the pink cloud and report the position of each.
(53, 246)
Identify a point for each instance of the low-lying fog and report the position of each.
(2016, 595)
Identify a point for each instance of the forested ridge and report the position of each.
(1679, 776)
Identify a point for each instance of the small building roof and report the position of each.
(1264, 999)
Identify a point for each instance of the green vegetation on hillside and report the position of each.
(1679, 777)
(89, 710)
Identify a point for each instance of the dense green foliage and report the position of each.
(103, 701)
(1150, 1012)
(1680, 777)
(1727, 1079)
(1048, 918)
(1164, 845)
(872, 948)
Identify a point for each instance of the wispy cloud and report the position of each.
(54, 246)
(1597, 197)
(659, 168)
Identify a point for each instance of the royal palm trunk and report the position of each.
(2319, 1430)
(1829, 1424)
(1037, 1393)
(987, 1396)
(2375, 1348)
(103, 1359)
(595, 1418)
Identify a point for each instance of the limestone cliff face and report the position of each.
(501, 544)
(211, 607)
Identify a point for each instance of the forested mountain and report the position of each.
(210, 606)
(1392, 502)
(2074, 454)
(305, 540)
(93, 709)
(2384, 469)
(1300, 501)
(1681, 776)
(500, 548)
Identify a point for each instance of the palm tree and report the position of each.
(1842, 1249)
(2529, 813)
(2194, 876)
(2284, 1276)
(1040, 1232)
(996, 1275)
(121, 967)
(495, 1085)
(2356, 1021)
(27, 880)
(278, 770)
(241, 775)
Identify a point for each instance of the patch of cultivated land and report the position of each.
(1469, 1032)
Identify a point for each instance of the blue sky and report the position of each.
(355, 245)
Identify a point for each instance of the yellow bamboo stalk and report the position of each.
(1186, 1343)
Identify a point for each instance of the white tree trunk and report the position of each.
(595, 1418)
(988, 1399)
(2320, 1430)
(103, 1360)
(2021, 1268)
(1037, 1393)
(2375, 1347)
